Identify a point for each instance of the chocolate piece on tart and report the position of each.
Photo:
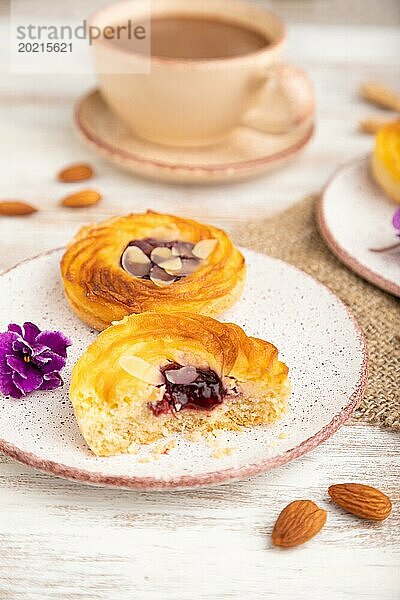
(164, 262)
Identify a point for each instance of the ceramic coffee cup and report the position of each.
(183, 102)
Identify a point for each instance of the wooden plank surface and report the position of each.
(64, 540)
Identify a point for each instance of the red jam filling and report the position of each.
(204, 393)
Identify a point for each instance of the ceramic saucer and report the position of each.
(354, 217)
(246, 153)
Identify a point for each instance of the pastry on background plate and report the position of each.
(386, 160)
(155, 374)
(150, 262)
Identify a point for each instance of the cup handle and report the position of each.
(284, 99)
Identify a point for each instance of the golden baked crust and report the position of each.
(101, 292)
(385, 164)
(113, 405)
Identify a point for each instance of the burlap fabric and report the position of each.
(293, 236)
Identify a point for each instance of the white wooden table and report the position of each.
(65, 540)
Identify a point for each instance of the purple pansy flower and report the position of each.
(396, 221)
(396, 225)
(31, 359)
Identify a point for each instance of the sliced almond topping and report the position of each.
(135, 254)
(145, 246)
(189, 266)
(183, 376)
(136, 269)
(173, 264)
(160, 278)
(204, 248)
(161, 282)
(135, 262)
(139, 368)
(183, 249)
(160, 255)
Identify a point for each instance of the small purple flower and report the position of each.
(396, 225)
(396, 221)
(31, 359)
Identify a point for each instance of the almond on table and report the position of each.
(380, 95)
(75, 173)
(361, 500)
(16, 208)
(81, 199)
(373, 124)
(299, 521)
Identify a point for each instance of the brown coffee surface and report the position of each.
(194, 38)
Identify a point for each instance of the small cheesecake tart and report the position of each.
(156, 374)
(150, 262)
(385, 164)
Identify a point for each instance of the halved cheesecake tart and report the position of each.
(155, 374)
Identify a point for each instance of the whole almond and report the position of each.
(74, 173)
(298, 523)
(81, 199)
(372, 124)
(361, 500)
(15, 208)
(380, 95)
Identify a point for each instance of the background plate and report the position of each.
(354, 215)
(316, 335)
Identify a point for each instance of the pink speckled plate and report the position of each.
(318, 338)
(354, 215)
